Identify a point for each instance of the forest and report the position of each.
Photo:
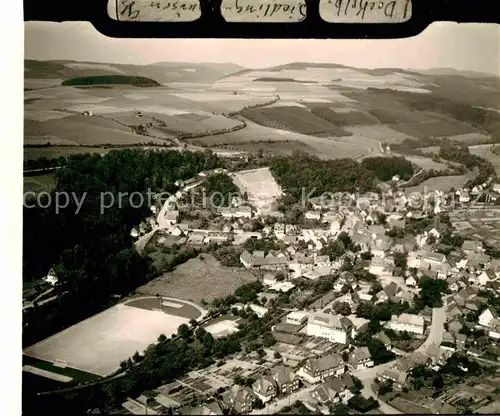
(92, 252)
(111, 80)
(384, 168)
(303, 175)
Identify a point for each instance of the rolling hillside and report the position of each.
(162, 72)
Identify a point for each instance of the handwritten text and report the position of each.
(363, 11)
(264, 10)
(158, 10)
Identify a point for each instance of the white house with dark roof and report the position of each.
(331, 327)
(407, 322)
(319, 369)
(264, 388)
(359, 359)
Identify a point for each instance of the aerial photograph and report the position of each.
(245, 226)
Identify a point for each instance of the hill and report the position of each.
(111, 80)
(163, 72)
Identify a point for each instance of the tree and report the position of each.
(137, 357)
(183, 331)
(342, 308)
(280, 276)
(400, 260)
(339, 409)
(162, 338)
(200, 333)
(268, 340)
(193, 322)
(277, 355)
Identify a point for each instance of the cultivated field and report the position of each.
(379, 132)
(294, 119)
(197, 279)
(439, 128)
(260, 186)
(98, 344)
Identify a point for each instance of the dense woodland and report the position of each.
(219, 189)
(384, 168)
(111, 80)
(92, 251)
(301, 174)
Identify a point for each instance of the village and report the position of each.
(371, 299)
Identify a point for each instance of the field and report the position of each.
(38, 183)
(486, 152)
(32, 153)
(260, 186)
(98, 344)
(439, 128)
(328, 110)
(426, 163)
(294, 119)
(198, 279)
(442, 183)
(379, 132)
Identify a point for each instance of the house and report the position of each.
(296, 318)
(407, 322)
(51, 278)
(411, 281)
(360, 359)
(328, 326)
(320, 369)
(238, 399)
(398, 377)
(487, 316)
(172, 216)
(196, 239)
(332, 391)
(382, 337)
(286, 380)
(313, 215)
(460, 340)
(264, 388)
(257, 260)
(207, 409)
(455, 326)
(472, 246)
(485, 277)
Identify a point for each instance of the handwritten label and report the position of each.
(264, 11)
(363, 11)
(158, 10)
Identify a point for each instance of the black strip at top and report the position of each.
(212, 25)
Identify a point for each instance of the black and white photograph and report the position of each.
(261, 226)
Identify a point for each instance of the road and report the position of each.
(437, 329)
(277, 405)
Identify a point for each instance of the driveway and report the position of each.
(437, 329)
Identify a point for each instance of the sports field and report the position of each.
(98, 344)
(260, 186)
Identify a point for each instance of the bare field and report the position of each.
(198, 279)
(278, 147)
(98, 344)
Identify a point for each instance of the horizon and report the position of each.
(443, 45)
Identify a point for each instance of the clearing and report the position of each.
(98, 344)
(260, 186)
(197, 279)
(486, 152)
(39, 183)
(442, 183)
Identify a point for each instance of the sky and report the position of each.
(470, 46)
